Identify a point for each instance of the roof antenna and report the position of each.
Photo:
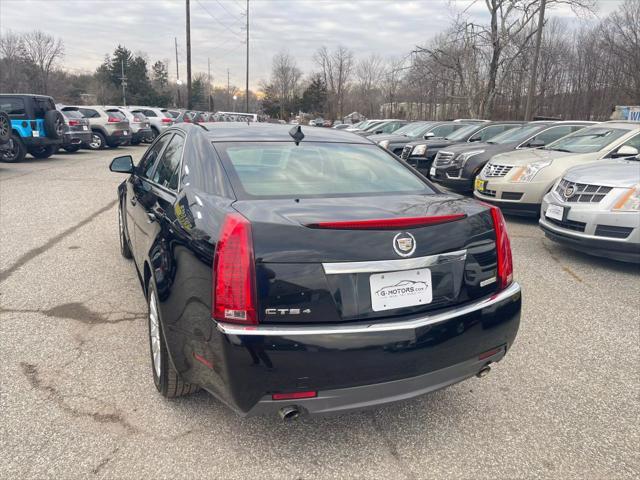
(296, 134)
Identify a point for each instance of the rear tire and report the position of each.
(54, 124)
(165, 377)
(97, 141)
(43, 152)
(125, 246)
(154, 134)
(16, 153)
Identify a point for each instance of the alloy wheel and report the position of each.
(154, 334)
(4, 127)
(96, 142)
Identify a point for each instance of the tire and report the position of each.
(43, 152)
(154, 134)
(16, 153)
(72, 148)
(165, 377)
(54, 124)
(125, 246)
(5, 128)
(97, 141)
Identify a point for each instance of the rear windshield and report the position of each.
(588, 140)
(72, 114)
(117, 114)
(272, 170)
(139, 117)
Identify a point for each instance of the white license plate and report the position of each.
(432, 172)
(36, 133)
(125, 132)
(555, 211)
(84, 127)
(407, 288)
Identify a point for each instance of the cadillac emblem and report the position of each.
(569, 191)
(404, 244)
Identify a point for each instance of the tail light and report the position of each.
(74, 123)
(111, 119)
(167, 120)
(234, 288)
(503, 249)
(187, 119)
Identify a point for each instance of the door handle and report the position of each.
(133, 201)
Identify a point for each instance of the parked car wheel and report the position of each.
(72, 148)
(154, 133)
(54, 124)
(97, 141)
(165, 376)
(125, 248)
(5, 128)
(16, 151)
(43, 152)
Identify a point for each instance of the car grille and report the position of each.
(406, 152)
(568, 224)
(443, 158)
(613, 231)
(492, 170)
(581, 192)
(512, 195)
(489, 193)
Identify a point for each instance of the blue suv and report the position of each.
(36, 127)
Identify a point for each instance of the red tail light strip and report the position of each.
(294, 395)
(503, 249)
(388, 223)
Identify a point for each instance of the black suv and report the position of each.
(36, 127)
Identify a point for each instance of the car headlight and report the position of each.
(419, 150)
(384, 144)
(461, 159)
(526, 174)
(629, 201)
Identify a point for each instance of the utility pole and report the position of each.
(228, 92)
(209, 81)
(246, 90)
(528, 113)
(178, 82)
(123, 79)
(188, 55)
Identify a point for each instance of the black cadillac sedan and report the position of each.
(308, 271)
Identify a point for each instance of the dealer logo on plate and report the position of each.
(404, 244)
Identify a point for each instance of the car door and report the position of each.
(140, 196)
(156, 227)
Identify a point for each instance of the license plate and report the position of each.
(555, 211)
(406, 288)
(84, 127)
(125, 132)
(432, 172)
(36, 133)
(480, 185)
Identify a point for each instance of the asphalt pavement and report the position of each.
(77, 398)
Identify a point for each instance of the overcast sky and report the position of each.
(91, 29)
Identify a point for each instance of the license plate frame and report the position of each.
(400, 289)
(555, 212)
(432, 172)
(480, 185)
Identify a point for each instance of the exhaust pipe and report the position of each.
(289, 413)
(484, 371)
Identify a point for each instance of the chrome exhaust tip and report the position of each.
(484, 371)
(289, 413)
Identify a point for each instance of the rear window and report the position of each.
(72, 114)
(12, 106)
(316, 169)
(117, 114)
(138, 117)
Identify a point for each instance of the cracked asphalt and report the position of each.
(77, 398)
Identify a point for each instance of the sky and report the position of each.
(91, 29)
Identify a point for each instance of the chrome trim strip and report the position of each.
(392, 265)
(284, 331)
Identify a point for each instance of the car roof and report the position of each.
(270, 132)
(31, 95)
(625, 124)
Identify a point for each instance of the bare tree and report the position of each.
(43, 51)
(336, 68)
(11, 53)
(285, 80)
(369, 73)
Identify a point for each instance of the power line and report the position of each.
(225, 9)
(216, 19)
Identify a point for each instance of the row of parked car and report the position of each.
(582, 179)
(34, 124)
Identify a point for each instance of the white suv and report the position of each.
(159, 118)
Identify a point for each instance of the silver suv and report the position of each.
(139, 123)
(159, 118)
(109, 126)
(595, 208)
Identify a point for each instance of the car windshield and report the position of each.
(517, 134)
(589, 140)
(413, 129)
(462, 133)
(373, 125)
(316, 169)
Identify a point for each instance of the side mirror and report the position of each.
(626, 151)
(536, 143)
(377, 132)
(122, 164)
(474, 139)
(429, 135)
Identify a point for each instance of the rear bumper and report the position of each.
(31, 142)
(76, 138)
(357, 365)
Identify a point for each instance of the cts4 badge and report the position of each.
(404, 244)
(286, 311)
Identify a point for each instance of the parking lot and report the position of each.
(77, 398)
